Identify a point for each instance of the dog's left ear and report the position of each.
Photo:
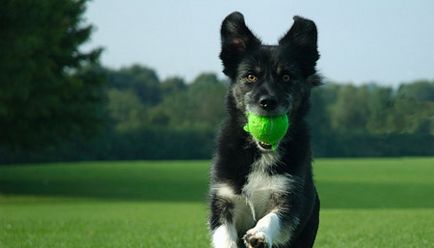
(302, 39)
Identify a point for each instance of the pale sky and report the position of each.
(360, 41)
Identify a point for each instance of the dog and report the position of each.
(263, 197)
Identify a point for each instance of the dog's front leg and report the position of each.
(224, 234)
(268, 231)
(275, 228)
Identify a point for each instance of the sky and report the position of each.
(388, 42)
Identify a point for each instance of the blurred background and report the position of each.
(88, 86)
(109, 80)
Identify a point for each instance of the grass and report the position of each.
(365, 203)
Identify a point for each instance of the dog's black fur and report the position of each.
(271, 92)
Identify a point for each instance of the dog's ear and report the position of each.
(303, 33)
(236, 40)
(302, 37)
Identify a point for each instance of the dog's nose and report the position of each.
(268, 103)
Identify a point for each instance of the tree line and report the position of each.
(144, 117)
(59, 103)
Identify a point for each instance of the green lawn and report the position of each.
(365, 203)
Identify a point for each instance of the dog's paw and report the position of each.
(256, 239)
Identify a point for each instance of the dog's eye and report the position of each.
(251, 78)
(286, 77)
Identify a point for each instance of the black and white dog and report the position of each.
(261, 197)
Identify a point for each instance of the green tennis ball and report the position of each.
(267, 129)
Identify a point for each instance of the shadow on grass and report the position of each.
(333, 194)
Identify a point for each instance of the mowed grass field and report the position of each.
(365, 203)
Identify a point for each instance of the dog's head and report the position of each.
(269, 80)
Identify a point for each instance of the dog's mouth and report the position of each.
(264, 146)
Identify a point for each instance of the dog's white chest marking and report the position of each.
(260, 185)
(259, 188)
(254, 201)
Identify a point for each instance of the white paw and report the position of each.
(225, 244)
(230, 244)
(225, 237)
(256, 239)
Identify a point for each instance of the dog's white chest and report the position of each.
(254, 201)
(260, 187)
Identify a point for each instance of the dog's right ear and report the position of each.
(236, 40)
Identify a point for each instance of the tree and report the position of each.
(319, 117)
(413, 108)
(47, 91)
(421, 90)
(140, 79)
(172, 85)
(201, 106)
(126, 110)
(379, 103)
(350, 112)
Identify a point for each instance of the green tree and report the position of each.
(421, 90)
(133, 92)
(379, 102)
(140, 79)
(413, 108)
(349, 113)
(172, 85)
(47, 92)
(126, 109)
(319, 115)
(200, 106)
